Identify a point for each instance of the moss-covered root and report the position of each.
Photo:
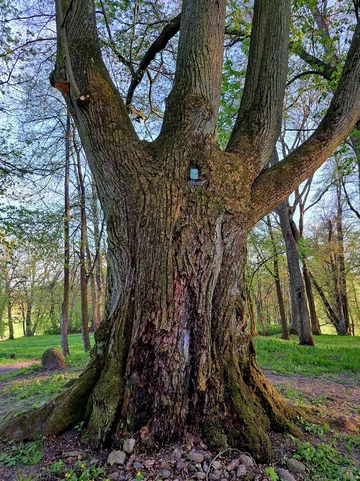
(26, 426)
(281, 415)
(252, 408)
(56, 416)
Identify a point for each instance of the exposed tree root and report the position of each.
(238, 409)
(58, 415)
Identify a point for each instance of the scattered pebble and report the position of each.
(164, 465)
(246, 460)
(241, 470)
(177, 454)
(199, 475)
(72, 454)
(181, 465)
(233, 465)
(165, 473)
(129, 445)
(285, 475)
(116, 457)
(196, 457)
(114, 476)
(295, 466)
(215, 476)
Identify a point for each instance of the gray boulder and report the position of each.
(52, 359)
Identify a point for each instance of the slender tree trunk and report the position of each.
(341, 260)
(341, 325)
(9, 314)
(315, 325)
(94, 294)
(23, 316)
(52, 315)
(251, 310)
(260, 308)
(279, 294)
(298, 297)
(356, 304)
(65, 304)
(331, 314)
(28, 320)
(82, 254)
(98, 257)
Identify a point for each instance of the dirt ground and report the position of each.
(336, 401)
(339, 399)
(6, 368)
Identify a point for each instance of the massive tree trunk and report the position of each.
(171, 356)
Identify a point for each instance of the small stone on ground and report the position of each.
(129, 445)
(285, 475)
(295, 466)
(116, 457)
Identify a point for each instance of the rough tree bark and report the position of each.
(170, 354)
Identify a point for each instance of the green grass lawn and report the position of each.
(31, 348)
(332, 355)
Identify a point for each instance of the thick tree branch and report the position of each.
(93, 99)
(258, 123)
(275, 184)
(194, 100)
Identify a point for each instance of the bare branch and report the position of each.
(303, 74)
(167, 33)
(112, 44)
(352, 208)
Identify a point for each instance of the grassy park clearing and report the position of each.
(323, 381)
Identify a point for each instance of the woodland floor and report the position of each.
(335, 403)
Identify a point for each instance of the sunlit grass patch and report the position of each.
(31, 348)
(331, 355)
(39, 388)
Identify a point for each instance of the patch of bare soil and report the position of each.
(6, 368)
(337, 400)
